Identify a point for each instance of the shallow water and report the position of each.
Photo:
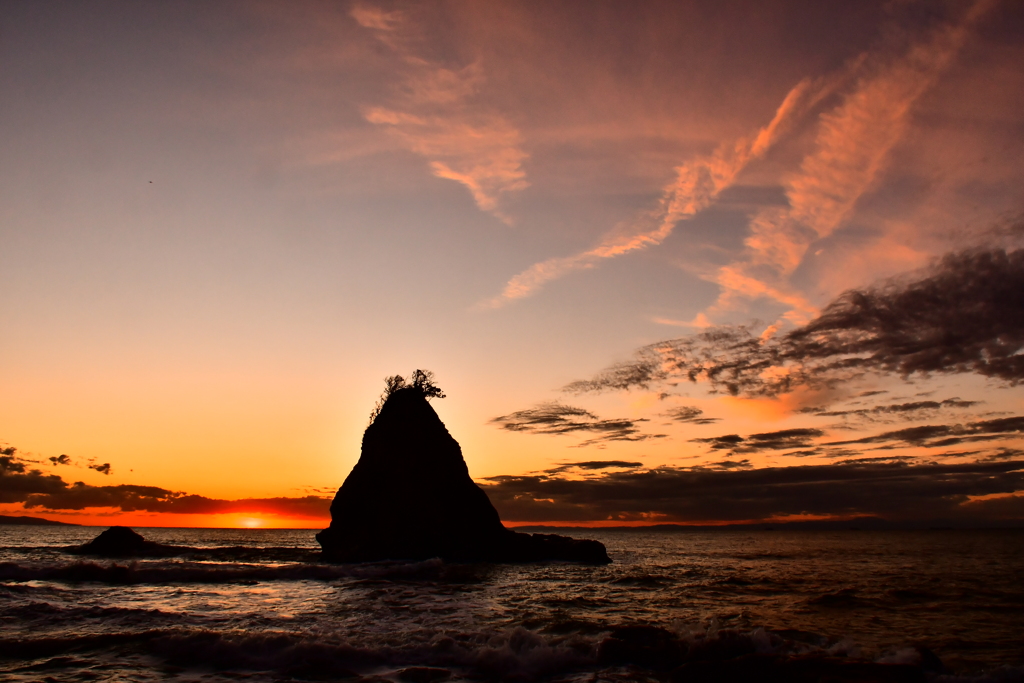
(259, 605)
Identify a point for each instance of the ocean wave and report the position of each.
(514, 654)
(236, 553)
(150, 572)
(643, 580)
(181, 572)
(840, 599)
(911, 594)
(48, 612)
(517, 654)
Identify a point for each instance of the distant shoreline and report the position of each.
(31, 521)
(849, 525)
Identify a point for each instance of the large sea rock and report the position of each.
(410, 496)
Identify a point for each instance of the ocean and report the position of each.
(259, 605)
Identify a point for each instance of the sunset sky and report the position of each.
(222, 224)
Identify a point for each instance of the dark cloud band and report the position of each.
(556, 418)
(767, 441)
(891, 489)
(965, 316)
(35, 490)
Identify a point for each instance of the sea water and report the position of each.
(260, 605)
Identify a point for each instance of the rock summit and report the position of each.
(410, 496)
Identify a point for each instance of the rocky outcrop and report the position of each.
(120, 541)
(410, 496)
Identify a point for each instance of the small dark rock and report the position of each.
(537, 547)
(120, 541)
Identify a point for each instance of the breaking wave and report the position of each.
(624, 653)
(184, 572)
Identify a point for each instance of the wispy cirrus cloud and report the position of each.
(436, 115)
(696, 185)
(369, 16)
(853, 141)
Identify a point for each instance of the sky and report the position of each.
(671, 262)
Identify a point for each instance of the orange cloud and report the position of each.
(852, 144)
(695, 187)
(434, 116)
(375, 18)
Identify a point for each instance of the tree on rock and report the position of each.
(423, 381)
(420, 380)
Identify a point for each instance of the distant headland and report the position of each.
(410, 495)
(32, 521)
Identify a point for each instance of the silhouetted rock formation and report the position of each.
(410, 496)
(120, 541)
